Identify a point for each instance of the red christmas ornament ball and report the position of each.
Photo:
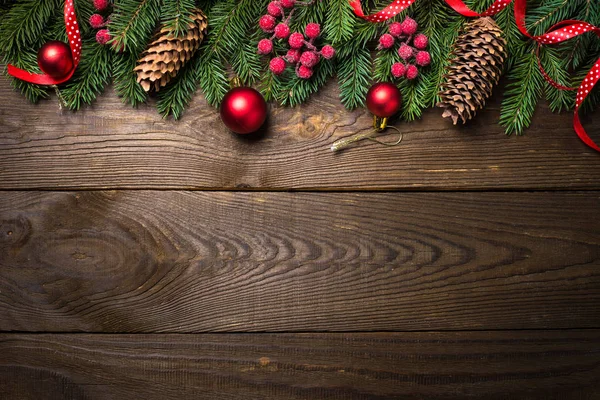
(243, 110)
(55, 59)
(384, 99)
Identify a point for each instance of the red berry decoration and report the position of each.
(96, 21)
(293, 56)
(395, 29)
(411, 72)
(309, 59)
(243, 110)
(312, 30)
(386, 41)
(384, 99)
(409, 26)
(275, 9)
(421, 41)
(398, 70)
(267, 23)
(328, 52)
(405, 52)
(265, 46)
(282, 31)
(423, 58)
(277, 65)
(103, 36)
(296, 40)
(55, 59)
(303, 52)
(101, 5)
(304, 72)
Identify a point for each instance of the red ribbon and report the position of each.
(74, 43)
(560, 32)
(398, 6)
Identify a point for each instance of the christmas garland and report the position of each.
(122, 42)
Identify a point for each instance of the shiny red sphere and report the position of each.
(55, 59)
(384, 99)
(243, 110)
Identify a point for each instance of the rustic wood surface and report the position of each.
(462, 264)
(492, 365)
(110, 146)
(142, 261)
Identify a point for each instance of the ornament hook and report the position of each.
(380, 126)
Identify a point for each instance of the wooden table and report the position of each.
(143, 258)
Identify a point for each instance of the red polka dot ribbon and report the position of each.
(561, 32)
(398, 6)
(74, 43)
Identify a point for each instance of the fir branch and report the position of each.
(92, 75)
(176, 15)
(297, 90)
(354, 75)
(340, 21)
(246, 62)
(24, 24)
(132, 23)
(271, 85)
(556, 67)
(125, 79)
(211, 75)
(27, 60)
(522, 93)
(173, 99)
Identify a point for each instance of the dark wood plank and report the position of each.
(113, 146)
(491, 365)
(143, 261)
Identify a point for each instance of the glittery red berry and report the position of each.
(267, 23)
(386, 41)
(395, 29)
(101, 4)
(304, 72)
(411, 72)
(265, 46)
(312, 30)
(423, 58)
(296, 40)
(309, 59)
(398, 70)
(405, 52)
(96, 21)
(274, 8)
(328, 52)
(288, 3)
(293, 56)
(421, 41)
(277, 65)
(409, 26)
(282, 31)
(103, 36)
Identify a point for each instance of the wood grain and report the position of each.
(491, 365)
(111, 146)
(146, 261)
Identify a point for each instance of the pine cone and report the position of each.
(167, 54)
(480, 52)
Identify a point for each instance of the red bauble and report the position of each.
(384, 99)
(55, 59)
(243, 110)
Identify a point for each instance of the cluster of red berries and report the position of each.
(404, 33)
(97, 21)
(302, 53)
